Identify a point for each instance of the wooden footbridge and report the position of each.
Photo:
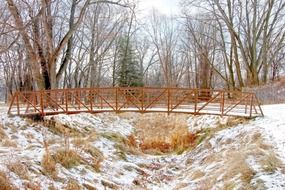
(140, 99)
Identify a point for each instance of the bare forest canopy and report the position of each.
(230, 44)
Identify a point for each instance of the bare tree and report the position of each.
(165, 39)
(252, 28)
(43, 51)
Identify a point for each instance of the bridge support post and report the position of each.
(168, 101)
(116, 99)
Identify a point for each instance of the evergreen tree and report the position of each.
(129, 73)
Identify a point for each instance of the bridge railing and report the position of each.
(137, 99)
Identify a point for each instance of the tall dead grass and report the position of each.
(160, 133)
(48, 163)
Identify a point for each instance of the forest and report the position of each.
(209, 44)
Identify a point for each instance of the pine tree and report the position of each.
(129, 73)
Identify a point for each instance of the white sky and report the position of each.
(167, 7)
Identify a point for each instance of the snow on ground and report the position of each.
(230, 157)
(274, 126)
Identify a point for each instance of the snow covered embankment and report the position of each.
(87, 151)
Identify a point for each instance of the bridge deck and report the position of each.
(140, 99)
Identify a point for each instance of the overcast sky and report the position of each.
(167, 7)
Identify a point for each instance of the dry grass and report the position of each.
(29, 136)
(159, 133)
(123, 144)
(233, 121)
(3, 135)
(270, 163)
(92, 136)
(230, 186)
(115, 137)
(19, 169)
(235, 163)
(206, 184)
(80, 142)
(9, 143)
(197, 174)
(97, 156)
(131, 141)
(267, 158)
(33, 186)
(247, 173)
(67, 158)
(5, 183)
(72, 185)
(49, 165)
(59, 128)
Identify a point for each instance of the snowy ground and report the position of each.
(250, 155)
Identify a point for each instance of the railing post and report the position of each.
(168, 101)
(78, 94)
(12, 102)
(142, 98)
(246, 104)
(117, 106)
(251, 101)
(222, 106)
(18, 106)
(196, 101)
(101, 101)
(91, 100)
(66, 101)
(258, 103)
(42, 102)
(56, 100)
